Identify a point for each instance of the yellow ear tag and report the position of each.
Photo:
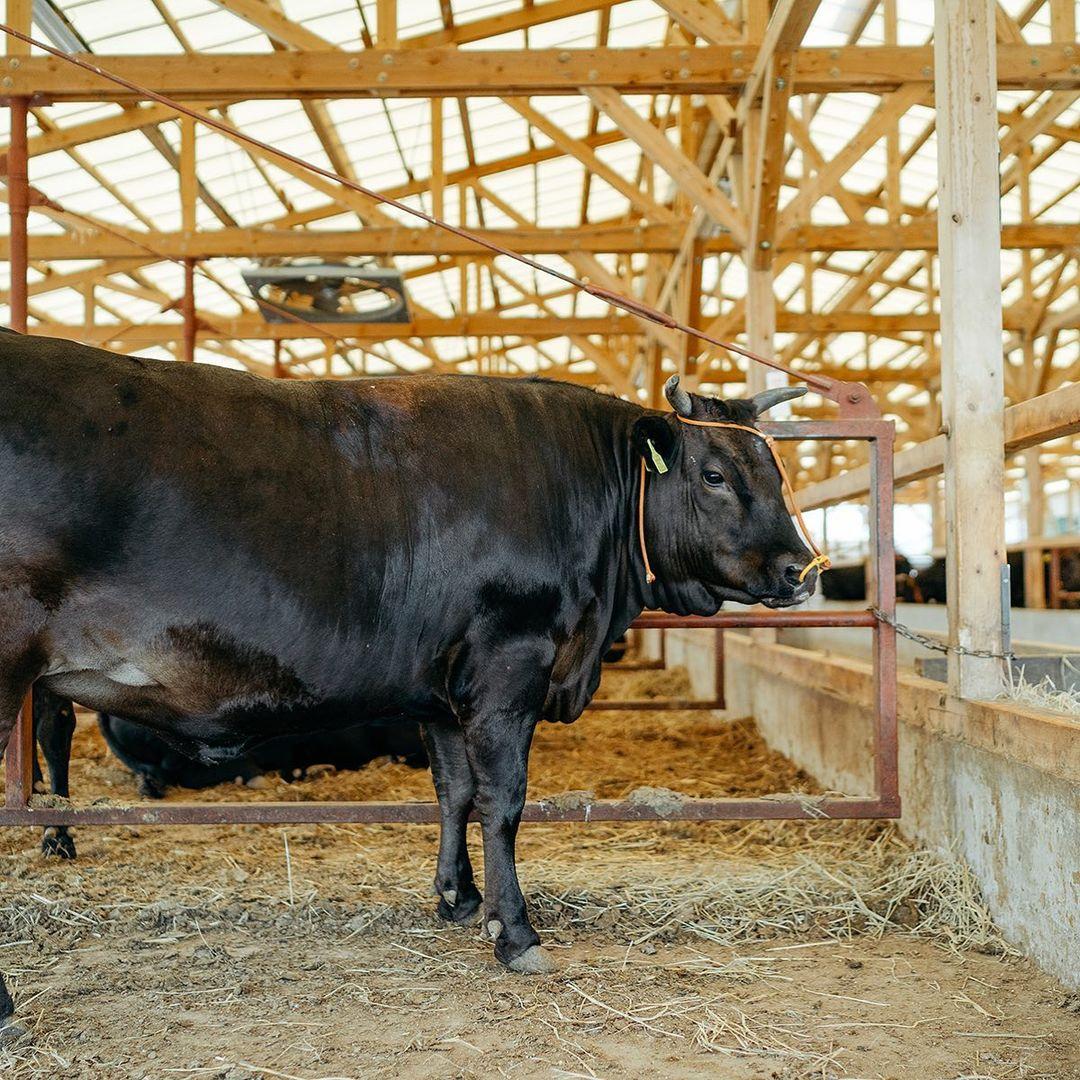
(657, 460)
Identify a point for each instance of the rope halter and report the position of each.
(820, 561)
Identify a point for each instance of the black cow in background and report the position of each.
(933, 580)
(158, 766)
(849, 582)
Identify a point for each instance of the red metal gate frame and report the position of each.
(884, 803)
(859, 420)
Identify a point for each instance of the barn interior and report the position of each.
(873, 191)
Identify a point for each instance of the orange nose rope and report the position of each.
(820, 559)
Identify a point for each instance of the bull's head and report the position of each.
(716, 523)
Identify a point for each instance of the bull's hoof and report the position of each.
(149, 788)
(535, 960)
(58, 844)
(10, 1032)
(460, 906)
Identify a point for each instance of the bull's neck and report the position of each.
(672, 591)
(633, 593)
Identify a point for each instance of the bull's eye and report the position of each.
(712, 478)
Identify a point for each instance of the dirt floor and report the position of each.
(772, 951)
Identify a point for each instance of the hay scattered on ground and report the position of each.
(711, 945)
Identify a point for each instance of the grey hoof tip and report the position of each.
(11, 1032)
(533, 961)
(450, 896)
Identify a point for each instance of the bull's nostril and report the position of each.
(792, 573)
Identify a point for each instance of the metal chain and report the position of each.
(936, 646)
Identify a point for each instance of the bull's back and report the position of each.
(213, 545)
(176, 523)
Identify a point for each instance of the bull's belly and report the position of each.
(202, 689)
(234, 726)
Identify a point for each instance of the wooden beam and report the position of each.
(255, 328)
(1028, 423)
(18, 15)
(659, 149)
(507, 22)
(887, 113)
(386, 24)
(1063, 21)
(438, 172)
(407, 72)
(617, 239)
(385, 240)
(576, 148)
(703, 18)
(188, 179)
(769, 163)
(972, 364)
(916, 236)
(274, 24)
(786, 28)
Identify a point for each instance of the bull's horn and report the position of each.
(679, 398)
(767, 399)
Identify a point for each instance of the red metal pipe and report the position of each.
(18, 207)
(731, 620)
(187, 308)
(19, 759)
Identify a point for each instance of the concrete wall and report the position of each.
(1000, 785)
(996, 783)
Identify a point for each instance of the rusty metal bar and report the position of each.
(654, 705)
(730, 620)
(18, 185)
(886, 764)
(19, 758)
(718, 669)
(787, 805)
(187, 309)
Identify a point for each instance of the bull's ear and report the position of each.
(655, 440)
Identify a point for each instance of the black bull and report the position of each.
(227, 558)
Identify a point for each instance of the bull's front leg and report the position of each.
(459, 898)
(499, 751)
(498, 692)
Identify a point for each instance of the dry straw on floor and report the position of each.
(716, 899)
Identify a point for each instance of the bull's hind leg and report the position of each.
(54, 727)
(498, 692)
(459, 898)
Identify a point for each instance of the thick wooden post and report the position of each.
(18, 207)
(972, 360)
